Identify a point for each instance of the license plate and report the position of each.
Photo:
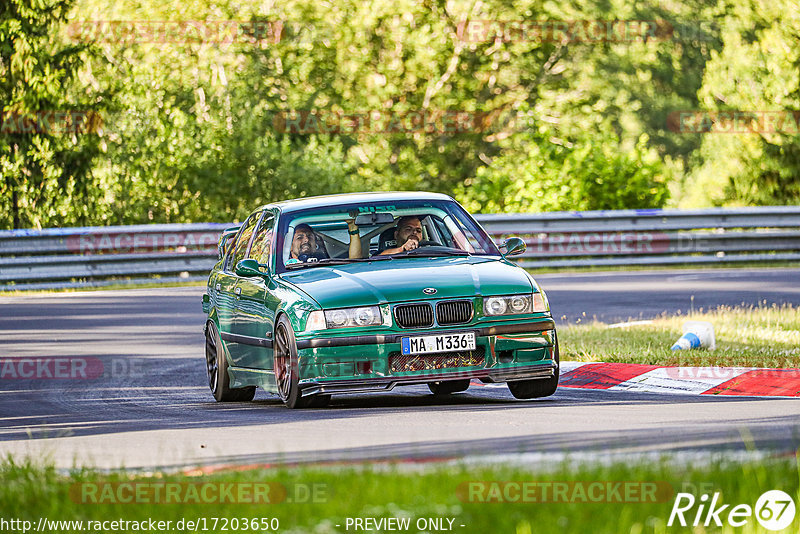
(438, 343)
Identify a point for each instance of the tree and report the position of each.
(45, 159)
(755, 72)
(547, 170)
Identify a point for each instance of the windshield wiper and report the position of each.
(334, 261)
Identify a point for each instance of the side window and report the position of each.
(462, 237)
(445, 236)
(262, 244)
(243, 240)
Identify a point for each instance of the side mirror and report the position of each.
(248, 268)
(513, 246)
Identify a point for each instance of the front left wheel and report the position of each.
(542, 387)
(217, 368)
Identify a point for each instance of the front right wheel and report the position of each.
(538, 388)
(287, 370)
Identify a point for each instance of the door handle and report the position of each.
(238, 291)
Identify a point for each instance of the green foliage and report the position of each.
(551, 172)
(192, 138)
(189, 128)
(758, 70)
(45, 176)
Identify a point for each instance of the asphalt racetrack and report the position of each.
(148, 403)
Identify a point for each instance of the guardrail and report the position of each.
(96, 256)
(653, 237)
(92, 256)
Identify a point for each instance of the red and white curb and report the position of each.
(744, 381)
(741, 381)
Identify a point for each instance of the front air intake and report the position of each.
(413, 315)
(452, 312)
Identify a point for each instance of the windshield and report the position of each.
(378, 231)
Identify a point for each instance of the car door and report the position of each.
(257, 303)
(226, 280)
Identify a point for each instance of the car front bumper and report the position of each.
(504, 351)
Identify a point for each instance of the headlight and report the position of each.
(519, 304)
(351, 317)
(495, 306)
(515, 304)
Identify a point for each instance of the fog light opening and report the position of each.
(364, 368)
(505, 356)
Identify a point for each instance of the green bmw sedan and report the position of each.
(364, 292)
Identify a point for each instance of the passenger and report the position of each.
(305, 245)
(355, 239)
(308, 246)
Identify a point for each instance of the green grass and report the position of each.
(756, 336)
(30, 492)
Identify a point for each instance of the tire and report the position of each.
(448, 387)
(287, 370)
(217, 368)
(536, 389)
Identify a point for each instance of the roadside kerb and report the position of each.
(726, 381)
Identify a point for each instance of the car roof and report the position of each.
(328, 200)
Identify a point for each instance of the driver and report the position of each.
(304, 244)
(407, 235)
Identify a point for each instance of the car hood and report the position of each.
(403, 279)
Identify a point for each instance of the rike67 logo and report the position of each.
(774, 510)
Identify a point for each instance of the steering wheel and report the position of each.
(428, 243)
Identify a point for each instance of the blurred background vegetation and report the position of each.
(189, 128)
